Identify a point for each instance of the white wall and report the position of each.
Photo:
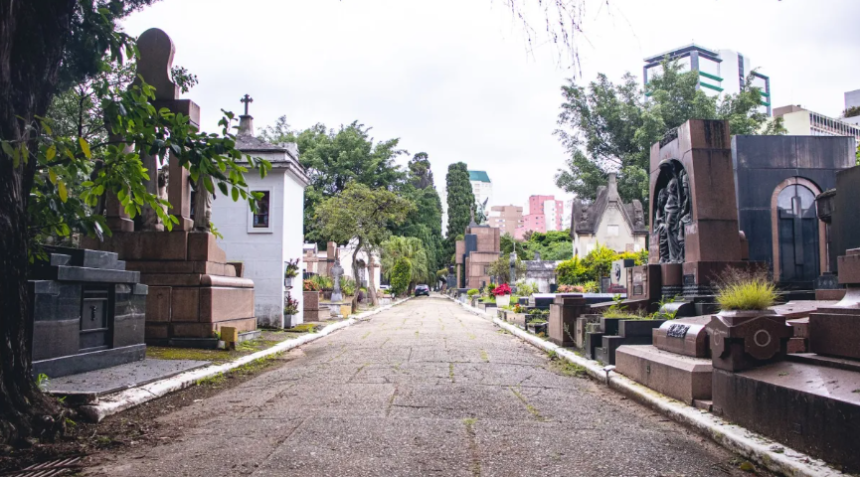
(264, 251)
(797, 123)
(293, 233)
(611, 222)
(346, 252)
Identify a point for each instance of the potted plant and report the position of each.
(746, 297)
(291, 312)
(503, 295)
(291, 271)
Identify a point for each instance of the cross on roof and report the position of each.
(247, 100)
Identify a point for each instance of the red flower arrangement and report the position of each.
(502, 289)
(310, 285)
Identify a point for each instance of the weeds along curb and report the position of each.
(737, 439)
(120, 401)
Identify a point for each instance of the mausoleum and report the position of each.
(609, 222)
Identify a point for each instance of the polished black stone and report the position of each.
(87, 312)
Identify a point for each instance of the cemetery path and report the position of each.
(425, 388)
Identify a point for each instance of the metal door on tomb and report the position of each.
(797, 223)
(95, 319)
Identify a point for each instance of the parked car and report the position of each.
(422, 290)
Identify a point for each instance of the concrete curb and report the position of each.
(737, 439)
(126, 399)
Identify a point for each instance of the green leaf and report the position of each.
(52, 176)
(61, 188)
(235, 194)
(51, 152)
(85, 147)
(7, 148)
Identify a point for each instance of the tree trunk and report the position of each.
(371, 286)
(355, 274)
(33, 34)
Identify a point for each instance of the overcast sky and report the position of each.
(455, 78)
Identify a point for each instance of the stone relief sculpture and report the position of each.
(481, 212)
(673, 210)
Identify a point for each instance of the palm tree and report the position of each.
(412, 250)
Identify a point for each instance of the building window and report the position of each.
(261, 216)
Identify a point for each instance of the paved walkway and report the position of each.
(425, 388)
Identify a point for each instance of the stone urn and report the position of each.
(503, 300)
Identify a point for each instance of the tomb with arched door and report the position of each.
(777, 179)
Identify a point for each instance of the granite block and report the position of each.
(680, 377)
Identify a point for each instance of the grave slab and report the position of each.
(683, 378)
(97, 383)
(814, 409)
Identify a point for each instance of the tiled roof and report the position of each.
(246, 143)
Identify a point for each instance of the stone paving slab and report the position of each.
(110, 380)
(379, 399)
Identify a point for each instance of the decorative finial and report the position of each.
(155, 62)
(247, 99)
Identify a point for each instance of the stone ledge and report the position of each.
(681, 377)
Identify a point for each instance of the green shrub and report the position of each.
(599, 262)
(400, 276)
(754, 293)
(324, 283)
(571, 272)
(473, 292)
(591, 287)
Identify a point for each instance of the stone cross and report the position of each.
(336, 273)
(247, 99)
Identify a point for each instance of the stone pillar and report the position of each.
(156, 58)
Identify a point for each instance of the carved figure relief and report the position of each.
(672, 211)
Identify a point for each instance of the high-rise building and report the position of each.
(852, 106)
(566, 217)
(506, 218)
(803, 122)
(482, 187)
(720, 71)
(545, 214)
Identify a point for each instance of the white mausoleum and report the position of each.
(264, 241)
(609, 222)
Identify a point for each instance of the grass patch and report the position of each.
(484, 356)
(246, 369)
(532, 410)
(565, 367)
(451, 371)
(306, 328)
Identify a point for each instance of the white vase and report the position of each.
(503, 300)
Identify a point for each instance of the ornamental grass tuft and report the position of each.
(751, 292)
